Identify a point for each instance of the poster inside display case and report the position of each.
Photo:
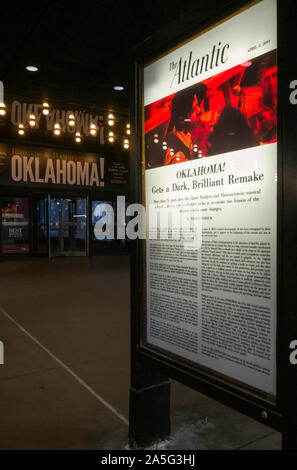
(210, 156)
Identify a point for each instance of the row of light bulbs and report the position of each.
(111, 136)
(71, 122)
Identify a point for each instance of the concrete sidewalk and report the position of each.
(65, 382)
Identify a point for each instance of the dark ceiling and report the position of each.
(80, 47)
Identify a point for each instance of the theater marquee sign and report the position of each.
(44, 167)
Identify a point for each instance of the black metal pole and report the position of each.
(149, 404)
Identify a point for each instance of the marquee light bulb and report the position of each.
(77, 137)
(57, 129)
(93, 129)
(21, 129)
(32, 68)
(110, 139)
(110, 118)
(128, 131)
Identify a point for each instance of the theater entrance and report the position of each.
(14, 226)
(62, 226)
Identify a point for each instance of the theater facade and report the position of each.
(58, 165)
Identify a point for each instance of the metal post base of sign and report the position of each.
(149, 407)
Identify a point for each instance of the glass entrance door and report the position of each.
(67, 227)
(42, 238)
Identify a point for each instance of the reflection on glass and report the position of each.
(98, 213)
